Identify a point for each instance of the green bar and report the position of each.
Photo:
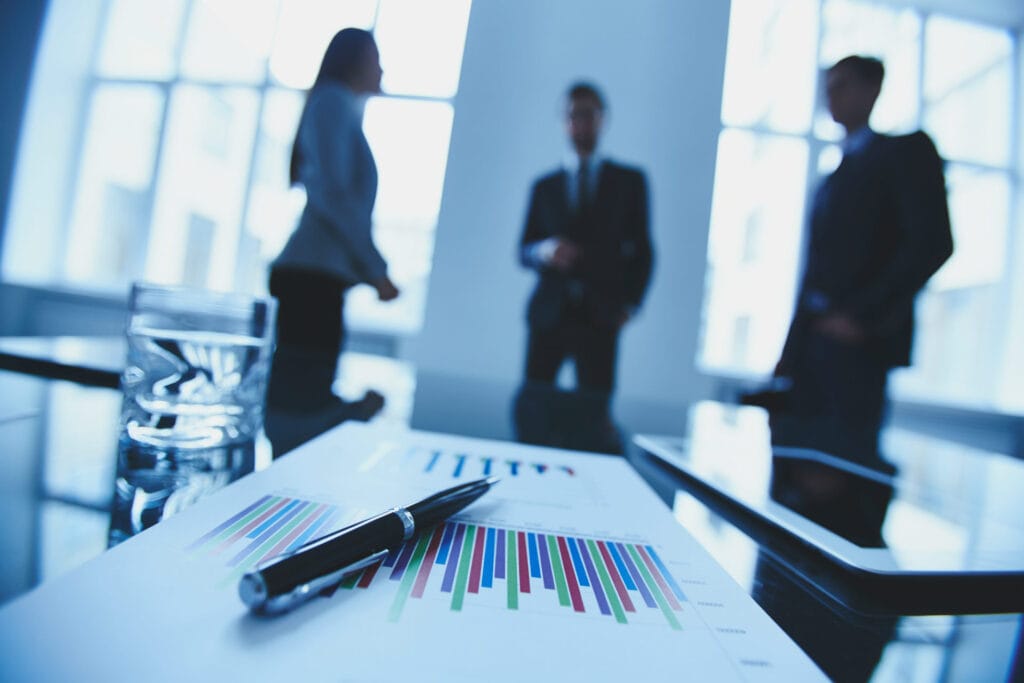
(409, 577)
(511, 570)
(609, 590)
(245, 520)
(652, 586)
(556, 569)
(350, 580)
(257, 554)
(462, 578)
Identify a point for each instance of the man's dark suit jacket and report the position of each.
(879, 229)
(615, 265)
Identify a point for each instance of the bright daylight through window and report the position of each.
(777, 142)
(158, 134)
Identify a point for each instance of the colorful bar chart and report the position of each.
(608, 578)
(468, 465)
(269, 527)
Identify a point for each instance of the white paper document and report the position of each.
(570, 568)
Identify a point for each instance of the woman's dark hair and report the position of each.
(342, 59)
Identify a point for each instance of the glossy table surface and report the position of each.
(59, 444)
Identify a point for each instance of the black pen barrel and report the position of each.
(329, 553)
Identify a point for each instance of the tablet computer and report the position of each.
(943, 513)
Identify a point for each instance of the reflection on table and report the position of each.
(60, 446)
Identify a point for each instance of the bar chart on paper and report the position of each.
(467, 565)
(569, 553)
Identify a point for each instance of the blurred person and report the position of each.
(878, 230)
(331, 249)
(587, 237)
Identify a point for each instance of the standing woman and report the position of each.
(332, 248)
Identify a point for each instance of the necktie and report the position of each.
(583, 188)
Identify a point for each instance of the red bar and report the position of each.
(524, 563)
(368, 574)
(428, 563)
(665, 590)
(478, 560)
(251, 525)
(294, 533)
(620, 587)
(570, 575)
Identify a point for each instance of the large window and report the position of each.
(157, 142)
(953, 79)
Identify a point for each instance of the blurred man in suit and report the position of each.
(879, 228)
(587, 237)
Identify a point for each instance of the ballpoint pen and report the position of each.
(288, 580)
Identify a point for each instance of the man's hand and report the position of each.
(564, 255)
(842, 328)
(386, 290)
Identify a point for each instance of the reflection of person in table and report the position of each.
(331, 249)
(879, 228)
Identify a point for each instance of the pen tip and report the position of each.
(491, 481)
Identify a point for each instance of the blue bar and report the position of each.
(273, 519)
(514, 467)
(541, 468)
(627, 578)
(487, 577)
(545, 562)
(499, 560)
(577, 562)
(446, 543)
(259, 540)
(325, 517)
(433, 461)
(487, 466)
(665, 573)
(458, 467)
(531, 540)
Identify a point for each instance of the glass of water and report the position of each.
(197, 367)
(194, 389)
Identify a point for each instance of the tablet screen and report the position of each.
(933, 506)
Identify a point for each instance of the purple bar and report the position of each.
(446, 543)
(449, 572)
(224, 525)
(389, 560)
(545, 562)
(257, 542)
(637, 578)
(499, 560)
(403, 559)
(595, 580)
